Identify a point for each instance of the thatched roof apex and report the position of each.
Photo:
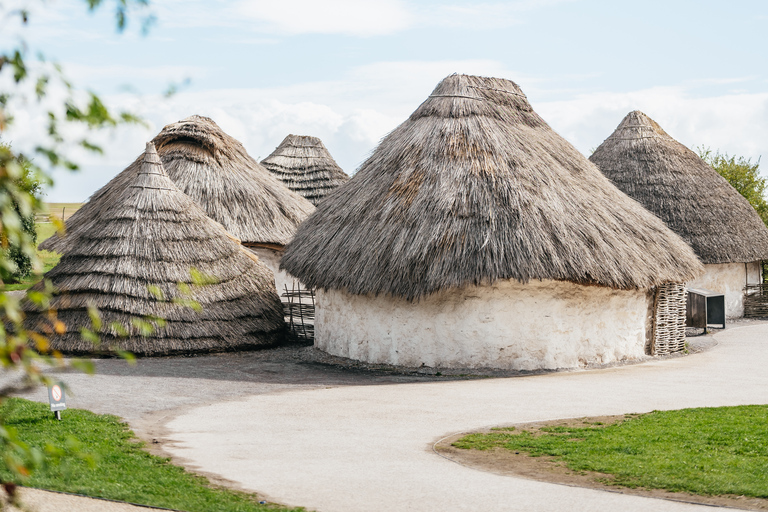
(473, 188)
(149, 239)
(305, 166)
(218, 174)
(680, 188)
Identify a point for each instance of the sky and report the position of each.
(350, 71)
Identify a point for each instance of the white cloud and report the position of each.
(153, 78)
(352, 113)
(378, 17)
(245, 19)
(351, 17)
(480, 15)
(735, 123)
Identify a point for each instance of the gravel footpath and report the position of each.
(354, 448)
(157, 389)
(151, 393)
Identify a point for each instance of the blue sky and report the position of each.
(349, 71)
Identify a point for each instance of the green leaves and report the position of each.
(94, 114)
(20, 185)
(743, 175)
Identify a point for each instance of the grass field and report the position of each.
(65, 209)
(708, 451)
(44, 230)
(115, 465)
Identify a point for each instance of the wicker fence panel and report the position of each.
(669, 319)
(756, 300)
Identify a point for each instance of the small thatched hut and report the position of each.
(218, 174)
(475, 236)
(305, 166)
(129, 264)
(696, 202)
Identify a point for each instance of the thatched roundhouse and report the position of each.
(129, 265)
(475, 236)
(696, 202)
(214, 170)
(305, 166)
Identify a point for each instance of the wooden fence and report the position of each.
(299, 308)
(756, 300)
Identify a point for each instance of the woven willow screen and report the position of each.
(756, 300)
(669, 319)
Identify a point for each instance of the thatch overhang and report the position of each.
(305, 166)
(680, 188)
(129, 265)
(218, 174)
(474, 188)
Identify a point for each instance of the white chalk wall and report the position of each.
(542, 324)
(729, 279)
(271, 259)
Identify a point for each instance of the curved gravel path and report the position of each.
(354, 448)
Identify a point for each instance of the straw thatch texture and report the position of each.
(305, 166)
(149, 240)
(218, 174)
(671, 181)
(475, 187)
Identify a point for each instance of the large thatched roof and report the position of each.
(150, 239)
(475, 187)
(305, 166)
(218, 174)
(671, 181)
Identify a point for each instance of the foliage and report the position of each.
(31, 183)
(743, 175)
(47, 258)
(709, 451)
(97, 455)
(22, 83)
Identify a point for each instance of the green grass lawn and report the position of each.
(50, 259)
(44, 230)
(709, 451)
(121, 469)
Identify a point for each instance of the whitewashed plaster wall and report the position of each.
(542, 324)
(271, 258)
(729, 279)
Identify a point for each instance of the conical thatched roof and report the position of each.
(149, 240)
(671, 181)
(218, 174)
(305, 166)
(475, 187)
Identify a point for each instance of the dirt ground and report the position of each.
(505, 462)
